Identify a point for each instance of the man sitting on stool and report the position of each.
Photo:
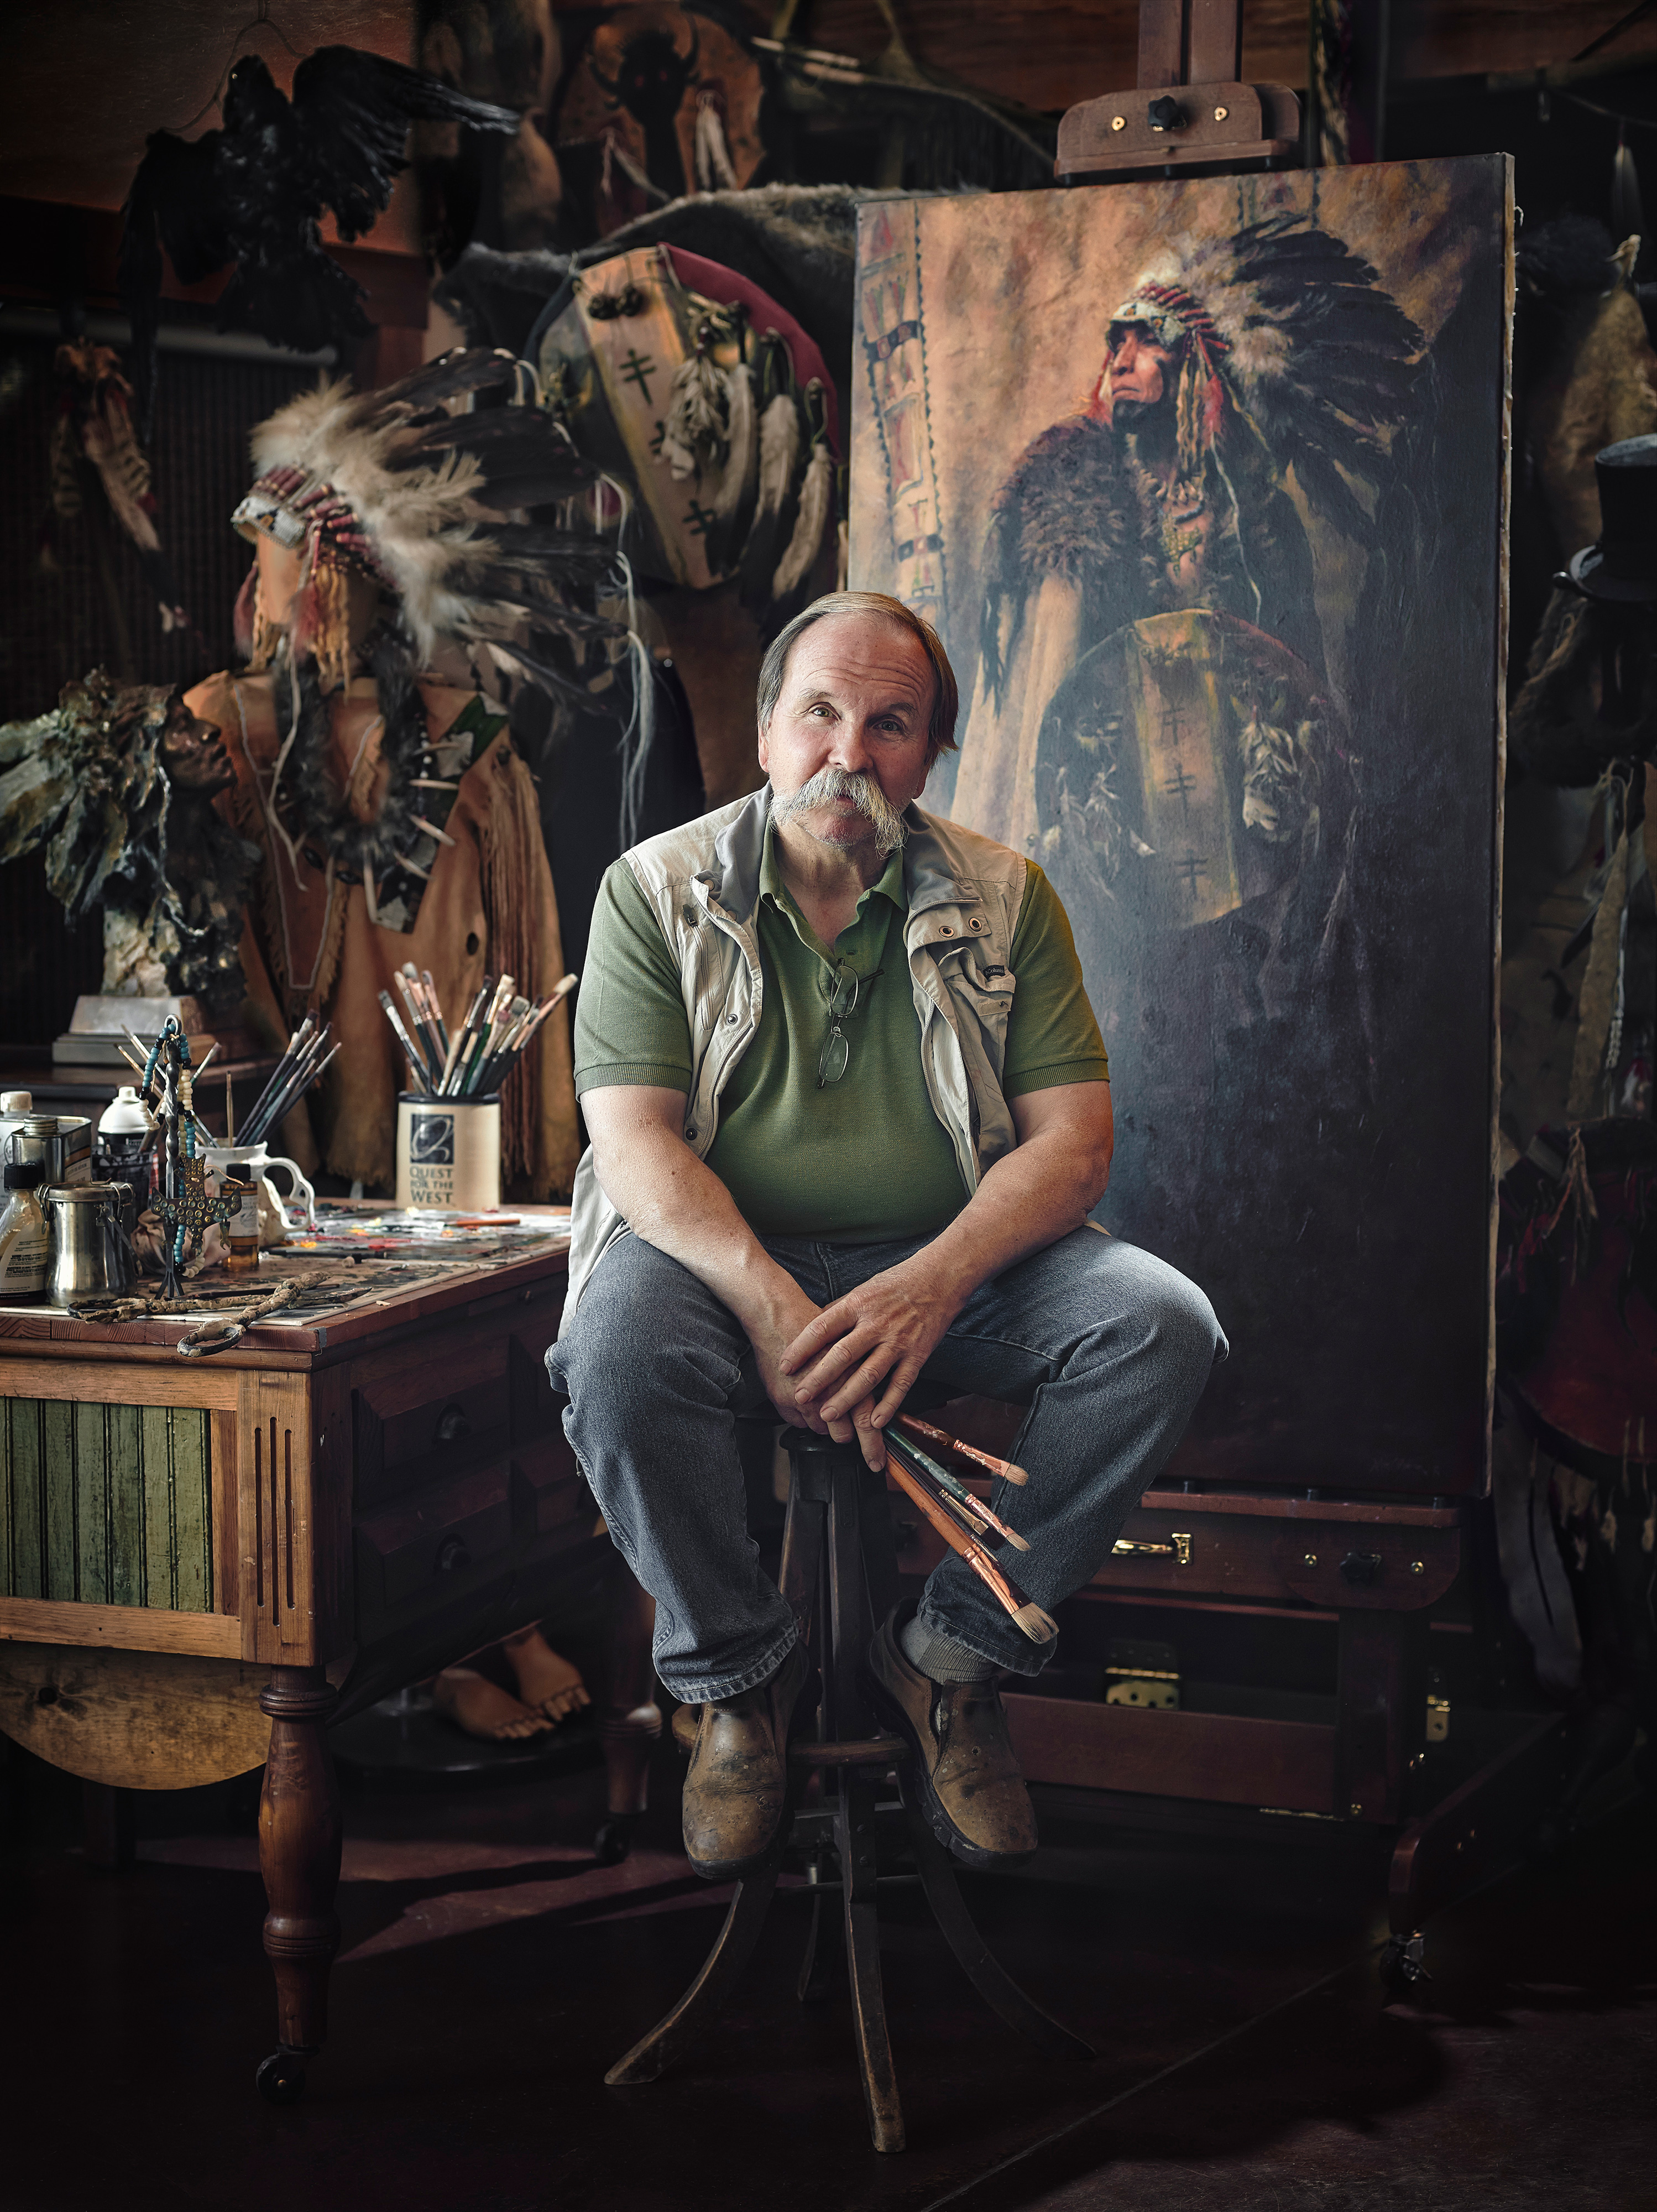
(846, 1091)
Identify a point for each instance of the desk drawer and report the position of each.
(438, 1537)
(428, 1411)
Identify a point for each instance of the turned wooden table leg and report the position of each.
(629, 1720)
(300, 1839)
(107, 1815)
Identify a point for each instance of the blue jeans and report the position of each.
(1109, 1348)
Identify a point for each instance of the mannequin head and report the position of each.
(273, 602)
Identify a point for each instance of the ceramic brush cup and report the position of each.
(448, 1153)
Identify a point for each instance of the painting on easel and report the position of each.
(1203, 485)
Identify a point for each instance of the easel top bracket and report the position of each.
(1223, 124)
(1190, 109)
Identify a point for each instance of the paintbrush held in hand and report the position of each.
(477, 1058)
(924, 1432)
(909, 1470)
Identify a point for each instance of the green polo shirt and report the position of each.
(863, 1160)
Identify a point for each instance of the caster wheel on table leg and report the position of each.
(615, 1839)
(281, 2078)
(1402, 1968)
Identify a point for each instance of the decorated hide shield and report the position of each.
(710, 411)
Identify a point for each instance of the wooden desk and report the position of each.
(204, 1561)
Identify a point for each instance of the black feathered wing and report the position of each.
(353, 110)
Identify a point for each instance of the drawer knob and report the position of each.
(452, 1555)
(1359, 1569)
(1178, 1547)
(452, 1426)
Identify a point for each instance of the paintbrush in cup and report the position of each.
(436, 1005)
(461, 1045)
(417, 1080)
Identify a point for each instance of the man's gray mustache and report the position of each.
(865, 793)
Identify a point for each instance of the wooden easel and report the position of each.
(1189, 112)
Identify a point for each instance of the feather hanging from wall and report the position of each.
(715, 171)
(776, 504)
(95, 441)
(733, 502)
(817, 500)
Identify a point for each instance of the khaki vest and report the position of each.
(702, 881)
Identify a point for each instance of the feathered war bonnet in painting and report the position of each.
(1280, 358)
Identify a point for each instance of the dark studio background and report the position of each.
(59, 228)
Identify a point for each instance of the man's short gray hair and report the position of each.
(946, 694)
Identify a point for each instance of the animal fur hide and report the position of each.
(1554, 725)
(1069, 510)
(798, 243)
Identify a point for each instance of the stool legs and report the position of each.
(982, 1969)
(816, 1967)
(675, 2034)
(838, 1567)
(847, 1716)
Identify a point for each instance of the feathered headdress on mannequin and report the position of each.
(428, 503)
(1293, 329)
(395, 486)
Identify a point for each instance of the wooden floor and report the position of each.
(490, 1972)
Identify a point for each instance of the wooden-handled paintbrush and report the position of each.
(463, 1043)
(1039, 1626)
(959, 1495)
(925, 1433)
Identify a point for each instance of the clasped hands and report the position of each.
(845, 1370)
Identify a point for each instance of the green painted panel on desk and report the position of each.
(90, 1464)
(107, 1505)
(126, 1506)
(155, 1427)
(25, 1511)
(192, 1515)
(57, 1428)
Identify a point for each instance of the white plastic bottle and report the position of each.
(16, 1108)
(23, 1234)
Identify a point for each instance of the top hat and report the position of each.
(1622, 562)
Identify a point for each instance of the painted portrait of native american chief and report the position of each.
(1203, 484)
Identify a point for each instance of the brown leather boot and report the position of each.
(736, 1793)
(970, 1788)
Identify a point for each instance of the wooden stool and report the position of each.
(840, 1574)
